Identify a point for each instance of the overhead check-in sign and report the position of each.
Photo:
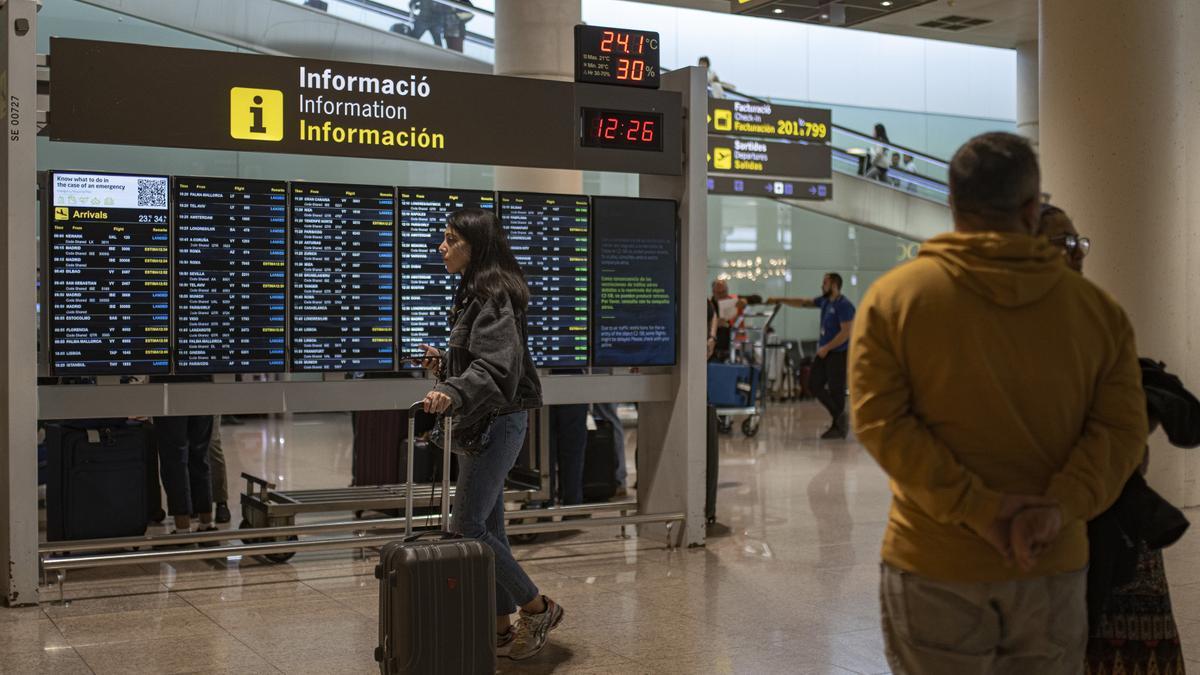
(126, 94)
(768, 120)
(762, 149)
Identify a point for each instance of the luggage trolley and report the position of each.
(263, 505)
(737, 387)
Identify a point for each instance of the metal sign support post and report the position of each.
(671, 433)
(18, 352)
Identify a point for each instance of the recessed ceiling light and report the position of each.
(778, 10)
(824, 17)
(886, 3)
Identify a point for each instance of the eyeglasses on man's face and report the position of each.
(1073, 245)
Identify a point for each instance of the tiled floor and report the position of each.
(786, 585)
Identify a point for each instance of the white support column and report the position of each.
(536, 39)
(1028, 82)
(1121, 111)
(18, 354)
(671, 435)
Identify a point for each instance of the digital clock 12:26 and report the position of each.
(621, 129)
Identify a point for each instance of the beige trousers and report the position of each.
(1029, 627)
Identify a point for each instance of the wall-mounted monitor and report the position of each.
(426, 288)
(109, 269)
(343, 254)
(549, 236)
(231, 282)
(635, 284)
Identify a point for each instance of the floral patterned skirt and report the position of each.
(1136, 634)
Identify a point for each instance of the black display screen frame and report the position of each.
(176, 367)
(48, 278)
(402, 362)
(594, 353)
(623, 118)
(500, 212)
(595, 65)
(294, 355)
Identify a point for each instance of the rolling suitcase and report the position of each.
(437, 593)
(96, 484)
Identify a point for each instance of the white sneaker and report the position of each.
(533, 630)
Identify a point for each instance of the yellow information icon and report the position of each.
(723, 120)
(62, 213)
(256, 114)
(722, 158)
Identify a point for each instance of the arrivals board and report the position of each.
(343, 277)
(549, 236)
(230, 275)
(109, 271)
(426, 288)
(635, 297)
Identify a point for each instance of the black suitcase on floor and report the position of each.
(600, 463)
(378, 448)
(713, 466)
(437, 595)
(96, 480)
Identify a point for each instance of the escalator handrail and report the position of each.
(407, 17)
(923, 177)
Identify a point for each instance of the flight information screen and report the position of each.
(549, 236)
(230, 275)
(109, 270)
(426, 288)
(634, 293)
(343, 277)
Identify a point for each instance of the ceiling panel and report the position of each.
(1009, 22)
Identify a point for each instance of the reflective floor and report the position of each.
(787, 583)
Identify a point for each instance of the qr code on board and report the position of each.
(152, 193)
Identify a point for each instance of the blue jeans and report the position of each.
(568, 444)
(479, 507)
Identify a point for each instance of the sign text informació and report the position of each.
(251, 102)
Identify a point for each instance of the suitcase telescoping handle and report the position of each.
(413, 411)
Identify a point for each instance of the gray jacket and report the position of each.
(487, 370)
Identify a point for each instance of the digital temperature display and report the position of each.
(621, 129)
(615, 56)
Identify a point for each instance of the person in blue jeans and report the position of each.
(487, 381)
(828, 378)
(608, 412)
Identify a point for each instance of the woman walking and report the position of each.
(487, 380)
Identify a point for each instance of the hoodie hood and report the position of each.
(1010, 270)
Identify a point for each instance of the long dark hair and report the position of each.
(493, 269)
(881, 133)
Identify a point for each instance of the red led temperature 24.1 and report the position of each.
(624, 41)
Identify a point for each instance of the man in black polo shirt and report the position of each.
(828, 378)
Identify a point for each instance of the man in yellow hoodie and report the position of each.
(1001, 438)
